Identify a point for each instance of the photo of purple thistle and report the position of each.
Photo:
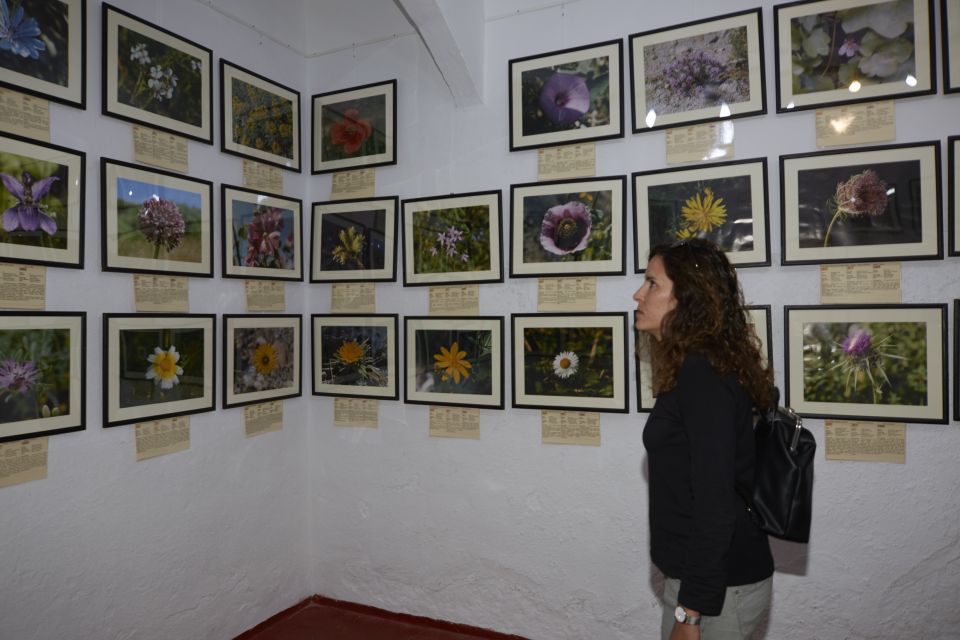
(19, 34)
(857, 343)
(18, 377)
(862, 194)
(693, 70)
(566, 228)
(28, 214)
(862, 357)
(161, 224)
(565, 98)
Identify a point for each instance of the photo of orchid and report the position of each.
(354, 127)
(871, 362)
(867, 362)
(42, 386)
(156, 221)
(43, 49)
(263, 236)
(452, 239)
(34, 374)
(843, 51)
(697, 72)
(569, 361)
(573, 95)
(160, 365)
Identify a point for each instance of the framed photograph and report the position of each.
(42, 200)
(355, 240)
(759, 319)
(262, 235)
(42, 373)
(575, 362)
(452, 239)
(953, 193)
(259, 119)
(44, 50)
(698, 72)
(261, 358)
(157, 366)
(950, 25)
(832, 52)
(568, 227)
(724, 202)
(155, 221)
(562, 97)
(453, 361)
(956, 360)
(354, 128)
(870, 362)
(153, 77)
(876, 203)
(356, 356)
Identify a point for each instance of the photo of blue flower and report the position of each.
(34, 39)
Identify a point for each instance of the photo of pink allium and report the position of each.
(162, 224)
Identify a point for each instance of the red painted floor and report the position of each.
(323, 619)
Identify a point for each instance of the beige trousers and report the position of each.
(743, 608)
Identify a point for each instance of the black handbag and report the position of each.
(783, 477)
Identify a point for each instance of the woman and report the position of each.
(708, 376)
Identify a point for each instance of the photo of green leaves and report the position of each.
(160, 365)
(569, 361)
(867, 362)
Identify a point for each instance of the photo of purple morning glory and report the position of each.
(565, 228)
(28, 213)
(565, 98)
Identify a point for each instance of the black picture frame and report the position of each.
(901, 220)
(867, 350)
(562, 332)
(255, 372)
(950, 38)
(65, 83)
(530, 258)
(27, 380)
(335, 374)
(332, 241)
(156, 106)
(357, 130)
(277, 96)
(563, 126)
(683, 99)
(124, 366)
(956, 360)
(953, 195)
(847, 90)
(266, 211)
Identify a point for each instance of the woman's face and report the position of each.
(654, 299)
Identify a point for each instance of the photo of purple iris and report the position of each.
(28, 213)
(565, 228)
(565, 98)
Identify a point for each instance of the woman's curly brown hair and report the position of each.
(710, 319)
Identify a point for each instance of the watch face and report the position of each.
(680, 614)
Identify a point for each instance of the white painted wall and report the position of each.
(199, 544)
(550, 542)
(545, 541)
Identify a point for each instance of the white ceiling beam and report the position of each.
(452, 31)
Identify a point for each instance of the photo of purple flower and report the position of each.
(19, 33)
(263, 236)
(34, 197)
(567, 226)
(701, 71)
(452, 240)
(34, 373)
(574, 95)
(157, 222)
(858, 205)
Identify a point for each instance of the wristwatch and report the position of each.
(682, 616)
